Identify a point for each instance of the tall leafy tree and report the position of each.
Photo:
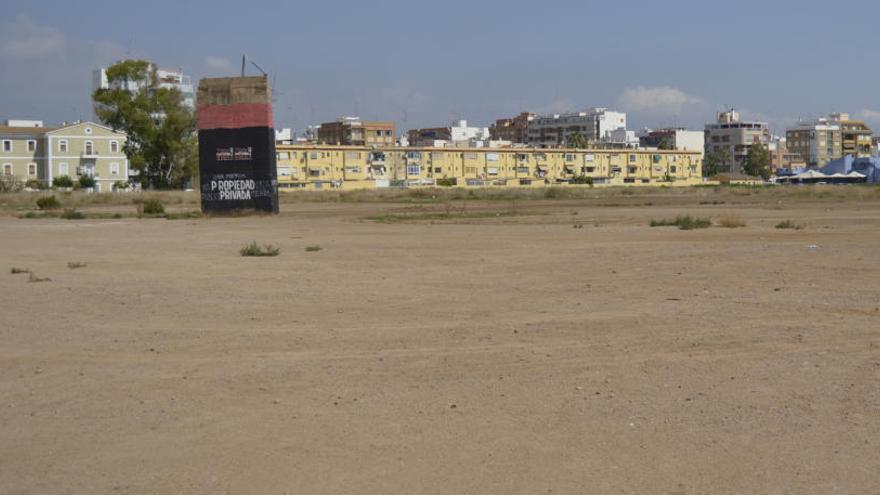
(716, 162)
(161, 144)
(757, 161)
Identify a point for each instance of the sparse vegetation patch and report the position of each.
(788, 224)
(683, 222)
(255, 250)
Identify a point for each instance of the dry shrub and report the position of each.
(731, 221)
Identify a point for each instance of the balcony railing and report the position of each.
(89, 154)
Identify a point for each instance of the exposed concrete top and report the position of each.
(234, 90)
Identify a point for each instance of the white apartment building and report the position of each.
(595, 125)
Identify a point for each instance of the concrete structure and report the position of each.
(731, 134)
(817, 142)
(675, 138)
(458, 135)
(168, 78)
(595, 125)
(44, 153)
(515, 130)
(352, 167)
(351, 131)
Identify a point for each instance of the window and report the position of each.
(114, 146)
(632, 158)
(32, 146)
(414, 155)
(7, 145)
(470, 156)
(7, 169)
(437, 155)
(284, 171)
(89, 148)
(114, 168)
(590, 157)
(522, 170)
(438, 170)
(673, 169)
(352, 155)
(62, 146)
(88, 130)
(283, 155)
(313, 156)
(492, 171)
(32, 169)
(63, 169)
(569, 157)
(413, 170)
(522, 157)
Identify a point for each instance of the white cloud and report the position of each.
(30, 41)
(218, 63)
(559, 105)
(870, 116)
(656, 99)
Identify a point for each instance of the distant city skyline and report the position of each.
(664, 64)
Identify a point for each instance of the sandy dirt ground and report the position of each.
(510, 355)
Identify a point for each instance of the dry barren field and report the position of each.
(506, 346)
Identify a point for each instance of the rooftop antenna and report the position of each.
(243, 63)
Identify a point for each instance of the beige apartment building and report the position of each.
(351, 131)
(735, 136)
(827, 139)
(34, 152)
(856, 138)
(816, 142)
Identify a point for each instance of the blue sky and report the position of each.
(665, 63)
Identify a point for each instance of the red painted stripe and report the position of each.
(235, 116)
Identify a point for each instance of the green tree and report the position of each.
(161, 144)
(757, 161)
(716, 162)
(665, 143)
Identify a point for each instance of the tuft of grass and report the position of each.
(35, 279)
(73, 265)
(254, 249)
(731, 221)
(16, 271)
(788, 224)
(151, 207)
(72, 214)
(312, 249)
(683, 222)
(48, 203)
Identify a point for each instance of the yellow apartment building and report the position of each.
(307, 166)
